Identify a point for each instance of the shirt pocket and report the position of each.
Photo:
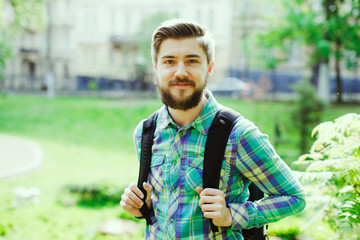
(194, 174)
(157, 171)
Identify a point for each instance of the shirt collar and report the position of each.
(201, 123)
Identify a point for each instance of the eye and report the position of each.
(192, 61)
(169, 61)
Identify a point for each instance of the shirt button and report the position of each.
(171, 220)
(174, 190)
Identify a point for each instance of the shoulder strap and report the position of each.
(216, 142)
(148, 131)
(217, 139)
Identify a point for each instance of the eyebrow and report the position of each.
(167, 56)
(193, 56)
(187, 56)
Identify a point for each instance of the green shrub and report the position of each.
(5, 228)
(334, 164)
(92, 84)
(286, 229)
(91, 195)
(307, 111)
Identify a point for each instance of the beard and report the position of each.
(184, 103)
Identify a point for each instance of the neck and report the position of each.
(185, 118)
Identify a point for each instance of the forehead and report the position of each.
(180, 48)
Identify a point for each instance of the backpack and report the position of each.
(216, 142)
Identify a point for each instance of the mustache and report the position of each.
(181, 81)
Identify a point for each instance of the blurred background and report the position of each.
(76, 77)
(78, 45)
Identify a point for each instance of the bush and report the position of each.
(286, 229)
(307, 111)
(334, 163)
(92, 195)
(92, 84)
(5, 228)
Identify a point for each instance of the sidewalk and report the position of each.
(18, 155)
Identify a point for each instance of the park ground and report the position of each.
(87, 145)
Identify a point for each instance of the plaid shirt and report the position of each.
(176, 170)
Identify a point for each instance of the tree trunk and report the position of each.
(338, 82)
(338, 73)
(332, 11)
(315, 74)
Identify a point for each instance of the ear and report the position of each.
(154, 66)
(211, 68)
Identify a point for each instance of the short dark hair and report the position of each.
(178, 29)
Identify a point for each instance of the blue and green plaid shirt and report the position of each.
(177, 168)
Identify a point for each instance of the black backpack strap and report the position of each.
(216, 142)
(148, 131)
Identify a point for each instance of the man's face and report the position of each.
(182, 73)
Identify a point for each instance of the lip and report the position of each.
(181, 85)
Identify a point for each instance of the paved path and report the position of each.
(18, 155)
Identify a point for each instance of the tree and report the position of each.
(330, 29)
(306, 112)
(148, 25)
(16, 17)
(144, 60)
(333, 164)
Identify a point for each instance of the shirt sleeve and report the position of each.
(258, 162)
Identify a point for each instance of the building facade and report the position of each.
(92, 44)
(96, 44)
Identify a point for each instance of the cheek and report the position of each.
(161, 80)
(163, 74)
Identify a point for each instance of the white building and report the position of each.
(92, 44)
(89, 40)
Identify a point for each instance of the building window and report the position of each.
(111, 56)
(93, 56)
(294, 57)
(199, 16)
(54, 9)
(126, 57)
(127, 23)
(90, 19)
(67, 7)
(112, 23)
(66, 71)
(86, 56)
(211, 20)
(66, 38)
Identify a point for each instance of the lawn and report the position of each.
(89, 141)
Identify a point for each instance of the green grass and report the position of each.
(90, 141)
(84, 141)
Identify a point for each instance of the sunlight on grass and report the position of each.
(89, 141)
(66, 164)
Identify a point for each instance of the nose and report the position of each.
(181, 70)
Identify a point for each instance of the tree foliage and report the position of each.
(148, 25)
(306, 112)
(334, 163)
(17, 16)
(330, 29)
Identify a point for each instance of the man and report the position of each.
(183, 57)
